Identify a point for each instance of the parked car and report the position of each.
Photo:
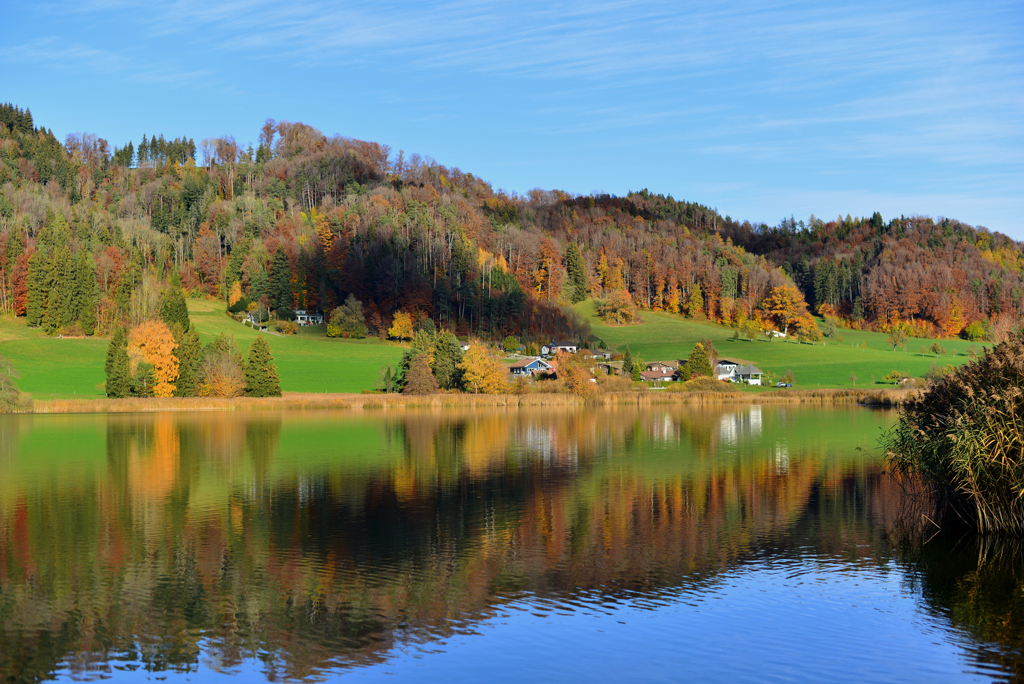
(783, 384)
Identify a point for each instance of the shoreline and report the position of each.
(319, 402)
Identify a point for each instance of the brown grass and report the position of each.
(310, 401)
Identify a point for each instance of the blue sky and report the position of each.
(761, 110)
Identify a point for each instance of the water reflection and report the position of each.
(309, 543)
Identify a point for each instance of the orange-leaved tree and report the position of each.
(154, 342)
(575, 374)
(783, 306)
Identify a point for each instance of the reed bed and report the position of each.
(963, 437)
(313, 401)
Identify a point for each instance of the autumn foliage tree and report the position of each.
(482, 372)
(784, 306)
(617, 308)
(221, 372)
(401, 326)
(153, 342)
(574, 371)
(419, 379)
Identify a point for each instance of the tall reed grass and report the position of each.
(311, 401)
(963, 438)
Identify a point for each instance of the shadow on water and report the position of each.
(311, 543)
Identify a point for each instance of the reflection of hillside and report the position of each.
(251, 536)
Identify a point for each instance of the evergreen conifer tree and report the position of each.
(261, 377)
(627, 363)
(144, 380)
(279, 283)
(698, 364)
(577, 272)
(38, 279)
(15, 247)
(60, 291)
(87, 292)
(190, 354)
(117, 367)
(447, 357)
(174, 309)
(638, 367)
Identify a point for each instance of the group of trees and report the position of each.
(308, 221)
(435, 362)
(930, 278)
(163, 357)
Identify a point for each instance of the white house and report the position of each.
(554, 347)
(726, 370)
(302, 317)
(749, 374)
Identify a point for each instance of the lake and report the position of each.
(725, 543)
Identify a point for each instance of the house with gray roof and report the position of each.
(749, 374)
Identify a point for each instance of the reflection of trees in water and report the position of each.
(978, 584)
(321, 566)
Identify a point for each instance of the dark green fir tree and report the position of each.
(627, 363)
(174, 310)
(577, 272)
(261, 377)
(279, 281)
(190, 354)
(117, 367)
(38, 280)
(447, 357)
(698, 364)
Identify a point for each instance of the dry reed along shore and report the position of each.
(295, 400)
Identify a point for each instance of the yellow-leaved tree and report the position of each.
(154, 342)
(482, 372)
(401, 326)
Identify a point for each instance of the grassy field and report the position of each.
(307, 362)
(665, 337)
(52, 368)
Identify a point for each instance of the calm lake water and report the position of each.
(711, 544)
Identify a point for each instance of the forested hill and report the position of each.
(92, 234)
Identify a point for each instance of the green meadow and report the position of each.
(830, 363)
(53, 368)
(310, 362)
